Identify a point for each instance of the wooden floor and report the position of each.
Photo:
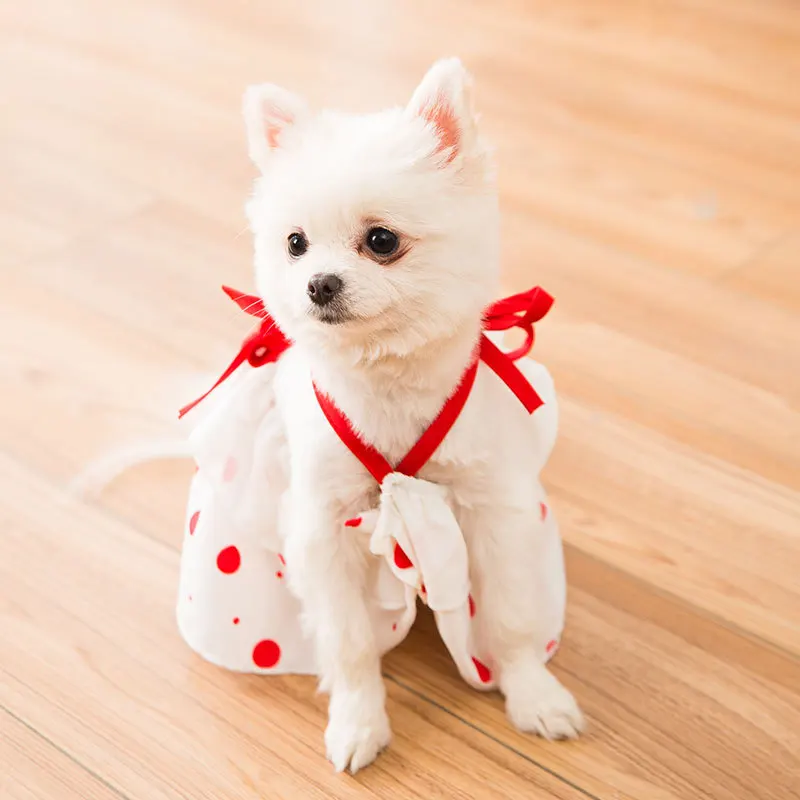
(650, 178)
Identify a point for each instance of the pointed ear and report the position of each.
(443, 100)
(270, 114)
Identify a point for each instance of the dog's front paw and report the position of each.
(358, 729)
(537, 703)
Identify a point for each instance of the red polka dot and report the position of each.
(229, 560)
(423, 589)
(193, 522)
(282, 559)
(551, 645)
(266, 654)
(394, 626)
(401, 560)
(197, 468)
(230, 469)
(484, 673)
(353, 523)
(278, 574)
(236, 620)
(543, 511)
(471, 606)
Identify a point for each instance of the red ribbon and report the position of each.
(267, 343)
(518, 311)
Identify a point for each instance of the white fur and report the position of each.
(390, 367)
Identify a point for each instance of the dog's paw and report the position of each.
(538, 703)
(357, 731)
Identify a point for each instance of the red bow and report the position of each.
(518, 311)
(264, 345)
(267, 343)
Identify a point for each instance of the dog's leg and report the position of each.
(327, 570)
(504, 557)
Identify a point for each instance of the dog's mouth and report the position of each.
(331, 314)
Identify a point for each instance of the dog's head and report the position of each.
(374, 231)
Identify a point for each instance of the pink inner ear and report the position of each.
(275, 120)
(442, 116)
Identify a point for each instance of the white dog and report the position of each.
(376, 258)
(376, 251)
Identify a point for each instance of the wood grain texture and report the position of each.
(649, 156)
(33, 768)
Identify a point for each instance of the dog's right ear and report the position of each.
(270, 114)
(443, 100)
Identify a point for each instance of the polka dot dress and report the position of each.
(234, 606)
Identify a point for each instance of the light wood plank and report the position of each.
(711, 324)
(48, 201)
(722, 538)
(772, 274)
(690, 403)
(32, 768)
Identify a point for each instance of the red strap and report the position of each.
(434, 435)
(508, 372)
(426, 445)
(376, 464)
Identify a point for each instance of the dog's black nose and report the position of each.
(323, 288)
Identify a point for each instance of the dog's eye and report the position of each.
(382, 241)
(297, 244)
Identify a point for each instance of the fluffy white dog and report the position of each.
(376, 251)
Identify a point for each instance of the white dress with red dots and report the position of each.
(234, 607)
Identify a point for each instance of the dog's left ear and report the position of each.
(270, 115)
(443, 99)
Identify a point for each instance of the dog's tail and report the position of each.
(98, 474)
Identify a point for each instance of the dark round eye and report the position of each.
(381, 241)
(298, 244)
